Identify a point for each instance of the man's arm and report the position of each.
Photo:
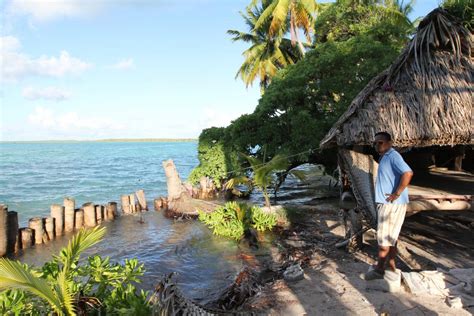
(404, 182)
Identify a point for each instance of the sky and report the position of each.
(95, 69)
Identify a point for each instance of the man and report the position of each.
(391, 197)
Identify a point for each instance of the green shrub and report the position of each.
(232, 219)
(67, 286)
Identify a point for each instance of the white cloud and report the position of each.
(70, 124)
(46, 93)
(16, 65)
(53, 9)
(124, 64)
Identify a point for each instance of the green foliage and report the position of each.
(262, 221)
(66, 287)
(215, 159)
(232, 219)
(354, 42)
(268, 51)
(463, 10)
(263, 172)
(383, 20)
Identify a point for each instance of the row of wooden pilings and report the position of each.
(64, 219)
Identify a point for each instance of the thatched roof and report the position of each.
(424, 98)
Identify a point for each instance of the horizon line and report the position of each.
(105, 140)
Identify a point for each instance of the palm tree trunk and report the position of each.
(300, 44)
(267, 198)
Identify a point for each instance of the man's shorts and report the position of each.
(390, 219)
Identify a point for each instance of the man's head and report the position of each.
(382, 142)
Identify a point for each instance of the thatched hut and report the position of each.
(425, 101)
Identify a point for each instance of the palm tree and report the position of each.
(299, 13)
(58, 289)
(266, 54)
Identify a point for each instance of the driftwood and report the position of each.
(180, 201)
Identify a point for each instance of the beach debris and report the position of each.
(167, 299)
(454, 302)
(293, 273)
(246, 285)
(391, 282)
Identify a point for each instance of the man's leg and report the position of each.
(392, 254)
(384, 253)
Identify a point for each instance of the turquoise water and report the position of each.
(35, 175)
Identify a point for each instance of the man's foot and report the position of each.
(372, 274)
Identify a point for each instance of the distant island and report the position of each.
(110, 140)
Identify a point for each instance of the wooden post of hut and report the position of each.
(37, 225)
(13, 244)
(460, 153)
(26, 236)
(111, 210)
(69, 214)
(3, 230)
(79, 218)
(125, 200)
(89, 214)
(49, 227)
(57, 212)
(141, 200)
(99, 213)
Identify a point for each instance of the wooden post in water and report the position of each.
(26, 236)
(36, 224)
(49, 226)
(3, 229)
(69, 215)
(99, 213)
(111, 210)
(157, 204)
(79, 215)
(141, 200)
(125, 200)
(164, 202)
(57, 212)
(89, 214)
(13, 244)
(133, 205)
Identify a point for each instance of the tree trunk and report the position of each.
(179, 200)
